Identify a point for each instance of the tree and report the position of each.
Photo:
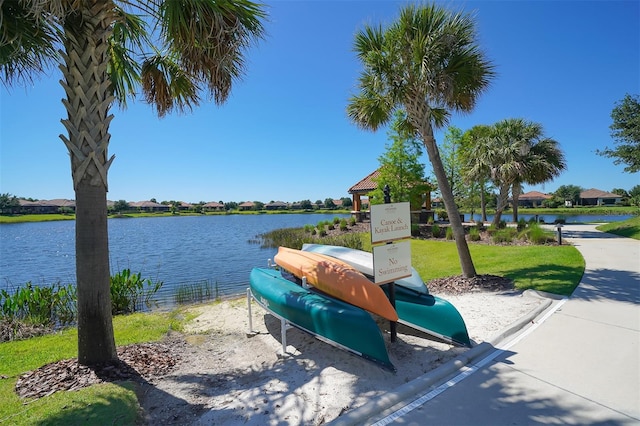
(516, 152)
(329, 204)
(105, 54)
(626, 132)
(9, 204)
(120, 206)
(428, 63)
(569, 193)
(474, 169)
(400, 167)
(347, 202)
(451, 159)
(634, 195)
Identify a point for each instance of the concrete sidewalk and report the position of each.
(576, 363)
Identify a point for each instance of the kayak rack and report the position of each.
(284, 324)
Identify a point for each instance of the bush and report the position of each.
(343, 225)
(129, 292)
(474, 234)
(505, 235)
(436, 231)
(522, 224)
(34, 310)
(449, 233)
(537, 235)
(352, 221)
(415, 229)
(442, 214)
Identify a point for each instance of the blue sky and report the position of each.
(284, 133)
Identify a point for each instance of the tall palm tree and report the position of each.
(428, 63)
(105, 54)
(516, 152)
(474, 170)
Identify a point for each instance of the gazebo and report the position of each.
(368, 184)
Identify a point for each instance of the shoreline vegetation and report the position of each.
(604, 210)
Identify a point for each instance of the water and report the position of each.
(175, 250)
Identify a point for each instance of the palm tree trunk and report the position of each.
(89, 98)
(466, 262)
(483, 202)
(503, 198)
(515, 195)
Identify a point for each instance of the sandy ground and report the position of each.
(230, 376)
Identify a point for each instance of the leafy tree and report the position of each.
(475, 169)
(569, 193)
(620, 191)
(450, 153)
(9, 204)
(329, 204)
(626, 132)
(427, 62)
(258, 205)
(306, 205)
(120, 206)
(347, 202)
(634, 196)
(400, 166)
(230, 205)
(106, 55)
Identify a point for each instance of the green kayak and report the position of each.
(330, 320)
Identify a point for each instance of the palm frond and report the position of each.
(27, 43)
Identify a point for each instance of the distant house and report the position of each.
(532, 199)
(183, 206)
(276, 205)
(149, 206)
(213, 206)
(247, 205)
(596, 197)
(38, 207)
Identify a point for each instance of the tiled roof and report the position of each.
(366, 185)
(535, 195)
(596, 193)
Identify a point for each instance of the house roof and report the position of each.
(534, 195)
(596, 193)
(147, 204)
(214, 204)
(367, 184)
(246, 204)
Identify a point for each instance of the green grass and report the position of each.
(627, 228)
(553, 269)
(98, 404)
(36, 218)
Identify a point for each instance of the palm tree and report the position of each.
(544, 161)
(473, 170)
(105, 53)
(428, 63)
(516, 152)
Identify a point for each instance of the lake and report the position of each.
(175, 250)
(219, 249)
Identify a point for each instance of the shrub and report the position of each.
(505, 235)
(537, 235)
(522, 224)
(415, 229)
(343, 225)
(436, 231)
(352, 221)
(129, 292)
(336, 220)
(442, 214)
(474, 234)
(449, 233)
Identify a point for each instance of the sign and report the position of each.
(391, 262)
(390, 222)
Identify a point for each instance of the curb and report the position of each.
(421, 385)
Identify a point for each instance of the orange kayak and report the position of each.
(337, 279)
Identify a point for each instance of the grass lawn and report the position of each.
(628, 228)
(109, 403)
